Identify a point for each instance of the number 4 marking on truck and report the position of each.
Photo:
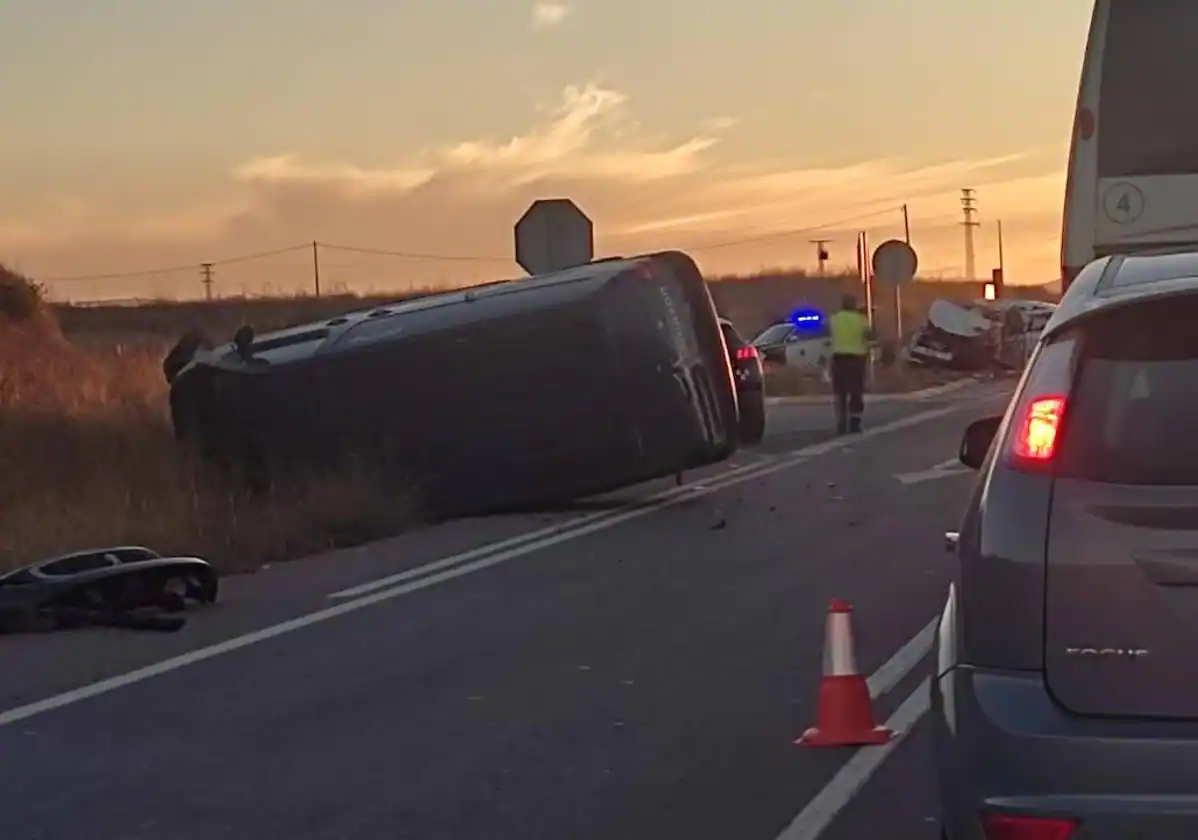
(1124, 203)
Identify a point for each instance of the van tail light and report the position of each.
(746, 353)
(1039, 427)
(1018, 827)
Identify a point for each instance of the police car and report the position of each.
(801, 341)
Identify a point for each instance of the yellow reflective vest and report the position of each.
(850, 333)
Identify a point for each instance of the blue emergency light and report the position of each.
(806, 319)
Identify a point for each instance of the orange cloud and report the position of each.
(643, 191)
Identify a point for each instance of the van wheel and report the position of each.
(752, 420)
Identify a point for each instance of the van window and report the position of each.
(1147, 124)
(1133, 414)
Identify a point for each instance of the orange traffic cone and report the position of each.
(845, 717)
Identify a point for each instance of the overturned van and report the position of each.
(520, 393)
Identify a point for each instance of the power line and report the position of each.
(783, 234)
(175, 269)
(206, 267)
(409, 255)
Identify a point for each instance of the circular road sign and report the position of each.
(554, 234)
(895, 261)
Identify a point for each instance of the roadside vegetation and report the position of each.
(89, 459)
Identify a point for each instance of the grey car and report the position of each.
(1065, 700)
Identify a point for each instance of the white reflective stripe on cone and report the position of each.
(839, 658)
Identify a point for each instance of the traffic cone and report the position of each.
(845, 716)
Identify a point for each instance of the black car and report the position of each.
(750, 383)
(1065, 698)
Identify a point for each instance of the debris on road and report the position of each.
(126, 586)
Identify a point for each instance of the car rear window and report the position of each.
(1133, 413)
(1145, 123)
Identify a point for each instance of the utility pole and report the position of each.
(206, 270)
(316, 267)
(969, 208)
(1001, 266)
(898, 288)
(821, 255)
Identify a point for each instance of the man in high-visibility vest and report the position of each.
(851, 336)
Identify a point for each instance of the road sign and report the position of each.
(554, 234)
(895, 261)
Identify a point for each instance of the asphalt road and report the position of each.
(635, 668)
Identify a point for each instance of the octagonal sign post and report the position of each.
(554, 234)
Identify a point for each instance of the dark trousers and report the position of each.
(848, 384)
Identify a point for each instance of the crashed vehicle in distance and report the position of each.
(987, 335)
(519, 393)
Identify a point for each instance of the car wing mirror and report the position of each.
(975, 443)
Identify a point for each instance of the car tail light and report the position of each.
(1039, 427)
(746, 353)
(1018, 827)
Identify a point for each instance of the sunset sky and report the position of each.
(142, 134)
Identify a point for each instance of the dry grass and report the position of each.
(90, 460)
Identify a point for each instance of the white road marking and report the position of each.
(945, 469)
(664, 500)
(535, 536)
(903, 662)
(589, 524)
(824, 807)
